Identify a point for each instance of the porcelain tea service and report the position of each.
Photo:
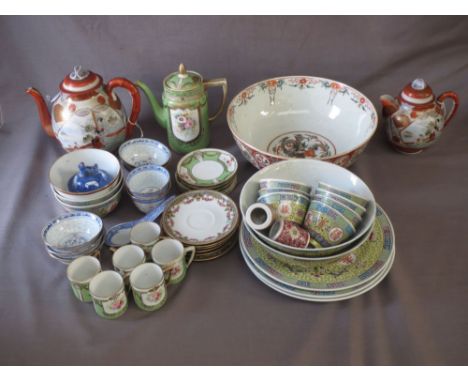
(87, 113)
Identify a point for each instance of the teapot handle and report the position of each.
(214, 83)
(453, 96)
(126, 84)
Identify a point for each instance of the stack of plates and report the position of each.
(211, 169)
(316, 280)
(72, 235)
(205, 219)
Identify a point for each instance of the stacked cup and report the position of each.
(148, 186)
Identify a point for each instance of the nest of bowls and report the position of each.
(211, 169)
(73, 235)
(271, 120)
(312, 230)
(87, 180)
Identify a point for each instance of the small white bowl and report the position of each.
(72, 231)
(148, 182)
(312, 171)
(142, 151)
(66, 167)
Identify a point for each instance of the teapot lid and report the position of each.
(80, 80)
(88, 178)
(417, 92)
(183, 80)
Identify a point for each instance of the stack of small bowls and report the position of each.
(100, 201)
(276, 219)
(73, 235)
(148, 186)
(210, 169)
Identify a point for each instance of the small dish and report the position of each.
(143, 151)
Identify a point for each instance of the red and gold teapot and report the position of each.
(87, 113)
(416, 118)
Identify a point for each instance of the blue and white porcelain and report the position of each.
(89, 178)
(150, 182)
(143, 151)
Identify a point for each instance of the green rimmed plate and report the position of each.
(355, 269)
(207, 167)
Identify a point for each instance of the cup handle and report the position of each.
(454, 97)
(214, 83)
(189, 254)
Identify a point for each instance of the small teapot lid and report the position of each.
(183, 80)
(417, 92)
(80, 80)
(88, 178)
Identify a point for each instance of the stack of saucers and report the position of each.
(289, 262)
(205, 219)
(72, 235)
(87, 180)
(211, 169)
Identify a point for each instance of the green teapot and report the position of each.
(184, 113)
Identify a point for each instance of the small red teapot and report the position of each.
(87, 113)
(416, 118)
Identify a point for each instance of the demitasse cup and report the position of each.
(80, 272)
(259, 216)
(108, 292)
(173, 258)
(289, 233)
(345, 194)
(145, 235)
(326, 226)
(148, 286)
(126, 259)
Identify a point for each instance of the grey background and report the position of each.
(222, 314)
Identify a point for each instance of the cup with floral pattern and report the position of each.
(345, 194)
(173, 258)
(285, 185)
(289, 233)
(349, 214)
(327, 226)
(287, 205)
(126, 259)
(80, 272)
(360, 210)
(107, 290)
(148, 286)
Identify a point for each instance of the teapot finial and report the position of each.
(418, 84)
(182, 70)
(78, 73)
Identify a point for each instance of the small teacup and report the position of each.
(282, 184)
(259, 216)
(289, 233)
(360, 210)
(326, 226)
(263, 191)
(148, 286)
(349, 214)
(173, 258)
(348, 195)
(80, 272)
(145, 235)
(108, 292)
(287, 205)
(126, 259)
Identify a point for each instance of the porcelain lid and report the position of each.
(89, 178)
(417, 92)
(80, 80)
(183, 80)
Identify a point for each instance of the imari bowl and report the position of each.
(301, 117)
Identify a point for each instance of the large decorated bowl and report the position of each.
(301, 117)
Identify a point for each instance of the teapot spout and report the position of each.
(389, 104)
(44, 114)
(159, 112)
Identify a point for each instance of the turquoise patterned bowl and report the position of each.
(286, 205)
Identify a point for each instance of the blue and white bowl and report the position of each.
(150, 182)
(143, 151)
